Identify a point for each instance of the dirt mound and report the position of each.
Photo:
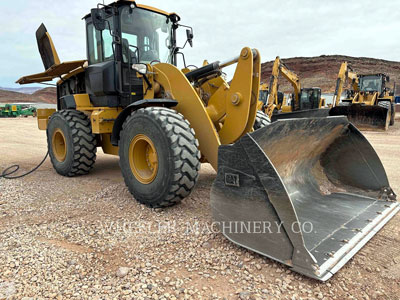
(46, 95)
(322, 71)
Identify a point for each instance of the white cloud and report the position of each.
(222, 28)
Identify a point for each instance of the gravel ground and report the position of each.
(86, 238)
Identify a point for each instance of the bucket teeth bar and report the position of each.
(308, 193)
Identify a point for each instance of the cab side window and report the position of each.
(107, 41)
(93, 45)
(100, 44)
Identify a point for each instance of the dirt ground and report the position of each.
(77, 238)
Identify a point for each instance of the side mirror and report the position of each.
(98, 18)
(189, 35)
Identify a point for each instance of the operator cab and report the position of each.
(310, 98)
(263, 97)
(122, 38)
(373, 83)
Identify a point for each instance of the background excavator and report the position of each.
(280, 100)
(305, 102)
(369, 103)
(130, 99)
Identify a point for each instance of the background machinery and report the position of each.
(27, 111)
(9, 111)
(369, 103)
(130, 99)
(16, 110)
(281, 101)
(306, 102)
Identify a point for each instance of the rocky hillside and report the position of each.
(24, 90)
(46, 95)
(322, 71)
(318, 71)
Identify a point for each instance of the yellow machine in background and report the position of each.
(263, 95)
(262, 119)
(345, 74)
(303, 99)
(130, 99)
(369, 103)
(281, 100)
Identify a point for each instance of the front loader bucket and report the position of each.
(364, 117)
(308, 193)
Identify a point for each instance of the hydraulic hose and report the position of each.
(6, 174)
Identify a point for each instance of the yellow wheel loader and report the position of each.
(306, 102)
(369, 104)
(130, 99)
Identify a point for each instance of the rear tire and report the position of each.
(163, 139)
(262, 120)
(71, 143)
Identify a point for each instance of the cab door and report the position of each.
(101, 76)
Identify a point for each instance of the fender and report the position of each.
(135, 106)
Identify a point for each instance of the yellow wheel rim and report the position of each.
(143, 159)
(59, 146)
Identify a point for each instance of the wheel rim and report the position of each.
(59, 146)
(143, 159)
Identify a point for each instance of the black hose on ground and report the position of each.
(6, 174)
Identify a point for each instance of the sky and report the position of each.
(287, 28)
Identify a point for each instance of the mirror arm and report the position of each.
(183, 56)
(184, 45)
(185, 26)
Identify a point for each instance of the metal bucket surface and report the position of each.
(306, 192)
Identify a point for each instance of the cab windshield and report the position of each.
(146, 36)
(370, 84)
(305, 97)
(309, 99)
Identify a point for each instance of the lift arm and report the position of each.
(273, 85)
(230, 110)
(345, 73)
(294, 81)
(280, 68)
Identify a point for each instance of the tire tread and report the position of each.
(186, 155)
(84, 141)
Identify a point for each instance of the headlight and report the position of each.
(140, 68)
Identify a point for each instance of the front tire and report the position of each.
(71, 143)
(159, 156)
